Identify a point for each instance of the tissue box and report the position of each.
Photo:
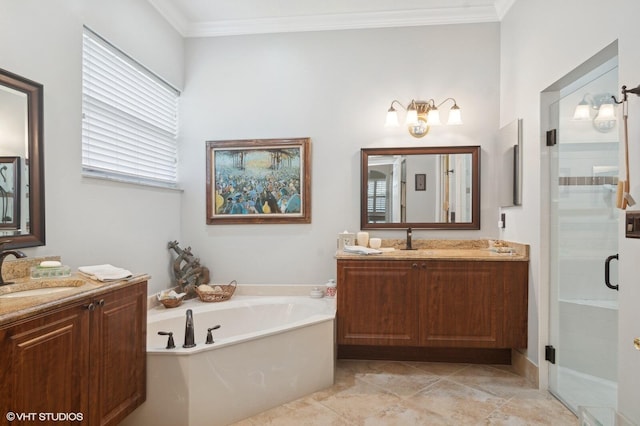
(55, 272)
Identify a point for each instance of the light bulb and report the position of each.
(433, 117)
(455, 117)
(392, 118)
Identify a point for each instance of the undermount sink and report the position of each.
(38, 288)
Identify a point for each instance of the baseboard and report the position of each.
(524, 367)
(410, 353)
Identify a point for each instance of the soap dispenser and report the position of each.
(332, 289)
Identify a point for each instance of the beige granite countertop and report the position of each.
(16, 308)
(480, 250)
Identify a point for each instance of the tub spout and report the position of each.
(189, 339)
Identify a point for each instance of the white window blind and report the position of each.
(129, 118)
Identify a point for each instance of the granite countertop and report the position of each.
(479, 250)
(16, 308)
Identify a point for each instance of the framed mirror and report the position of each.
(421, 188)
(21, 152)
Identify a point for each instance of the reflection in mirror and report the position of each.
(10, 192)
(429, 188)
(21, 162)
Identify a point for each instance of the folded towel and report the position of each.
(361, 250)
(105, 272)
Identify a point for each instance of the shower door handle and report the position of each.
(607, 263)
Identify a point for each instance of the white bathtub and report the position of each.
(268, 351)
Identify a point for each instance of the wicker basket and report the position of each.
(227, 292)
(171, 303)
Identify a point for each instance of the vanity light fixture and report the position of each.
(421, 115)
(599, 109)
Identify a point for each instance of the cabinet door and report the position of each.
(377, 303)
(45, 366)
(461, 304)
(118, 354)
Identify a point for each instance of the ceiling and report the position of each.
(210, 18)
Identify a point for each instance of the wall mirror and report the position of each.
(21, 162)
(423, 188)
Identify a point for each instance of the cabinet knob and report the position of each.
(414, 266)
(423, 266)
(101, 303)
(91, 306)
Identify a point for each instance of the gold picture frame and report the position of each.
(258, 181)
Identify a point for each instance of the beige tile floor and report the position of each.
(417, 393)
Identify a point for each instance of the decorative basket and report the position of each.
(171, 303)
(217, 296)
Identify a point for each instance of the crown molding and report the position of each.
(327, 22)
(502, 7)
(172, 14)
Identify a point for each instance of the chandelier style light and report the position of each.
(421, 115)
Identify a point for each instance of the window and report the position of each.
(377, 198)
(129, 118)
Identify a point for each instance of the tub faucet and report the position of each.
(17, 253)
(189, 339)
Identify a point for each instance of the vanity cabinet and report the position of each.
(377, 303)
(432, 304)
(87, 358)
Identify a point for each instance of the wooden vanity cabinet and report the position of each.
(377, 303)
(432, 303)
(118, 356)
(88, 358)
(473, 304)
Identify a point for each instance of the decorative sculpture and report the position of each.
(187, 269)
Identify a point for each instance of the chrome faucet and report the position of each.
(189, 339)
(17, 253)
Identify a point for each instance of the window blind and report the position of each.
(129, 118)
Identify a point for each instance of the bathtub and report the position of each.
(269, 350)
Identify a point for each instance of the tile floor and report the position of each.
(417, 393)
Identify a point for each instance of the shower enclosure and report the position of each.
(584, 235)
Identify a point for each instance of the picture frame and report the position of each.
(10, 192)
(421, 181)
(258, 181)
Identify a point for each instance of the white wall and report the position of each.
(90, 221)
(334, 87)
(541, 41)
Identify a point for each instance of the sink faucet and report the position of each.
(408, 247)
(17, 253)
(189, 339)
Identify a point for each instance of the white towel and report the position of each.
(105, 272)
(361, 250)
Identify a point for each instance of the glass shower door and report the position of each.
(584, 229)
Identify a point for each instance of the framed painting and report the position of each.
(259, 181)
(10, 192)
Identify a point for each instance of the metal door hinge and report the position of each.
(550, 354)
(552, 137)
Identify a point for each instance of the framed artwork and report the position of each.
(421, 182)
(259, 181)
(9, 192)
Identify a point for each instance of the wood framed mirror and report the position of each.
(21, 112)
(421, 188)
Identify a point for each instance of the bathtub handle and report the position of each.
(170, 343)
(607, 279)
(209, 335)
